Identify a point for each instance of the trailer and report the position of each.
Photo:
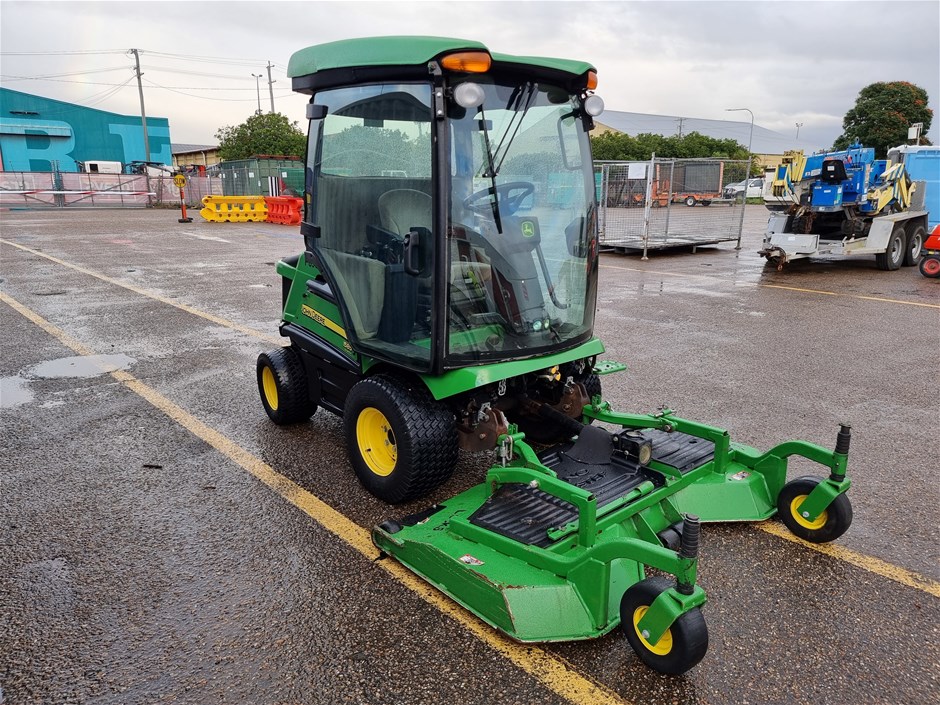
(848, 203)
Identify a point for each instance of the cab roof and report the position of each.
(347, 55)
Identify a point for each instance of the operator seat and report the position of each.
(402, 209)
(833, 172)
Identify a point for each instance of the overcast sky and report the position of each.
(789, 62)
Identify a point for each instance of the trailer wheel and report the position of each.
(690, 201)
(282, 384)
(915, 243)
(893, 256)
(930, 266)
(401, 442)
(828, 526)
(706, 203)
(682, 646)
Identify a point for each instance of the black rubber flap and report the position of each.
(680, 450)
(594, 445)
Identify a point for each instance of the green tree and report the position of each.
(882, 114)
(620, 146)
(268, 133)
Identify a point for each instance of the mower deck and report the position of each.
(546, 547)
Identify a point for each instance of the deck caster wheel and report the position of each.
(402, 443)
(682, 646)
(828, 526)
(930, 266)
(282, 383)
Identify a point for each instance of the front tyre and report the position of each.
(282, 384)
(682, 646)
(402, 443)
(828, 526)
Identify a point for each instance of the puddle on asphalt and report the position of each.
(15, 391)
(80, 366)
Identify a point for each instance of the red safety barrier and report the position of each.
(284, 210)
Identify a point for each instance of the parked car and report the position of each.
(755, 188)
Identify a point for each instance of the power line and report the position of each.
(97, 83)
(203, 97)
(60, 53)
(72, 73)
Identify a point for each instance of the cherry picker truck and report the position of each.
(445, 300)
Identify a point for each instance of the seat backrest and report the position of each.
(833, 171)
(400, 210)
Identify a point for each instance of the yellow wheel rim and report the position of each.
(801, 520)
(376, 441)
(269, 385)
(661, 647)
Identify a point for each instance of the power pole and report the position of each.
(680, 121)
(271, 85)
(143, 112)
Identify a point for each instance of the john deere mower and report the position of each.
(445, 300)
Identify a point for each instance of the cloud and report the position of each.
(788, 62)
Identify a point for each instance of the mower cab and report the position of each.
(445, 299)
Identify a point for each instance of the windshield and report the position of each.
(521, 234)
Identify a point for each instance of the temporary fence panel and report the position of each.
(27, 189)
(255, 180)
(664, 203)
(83, 190)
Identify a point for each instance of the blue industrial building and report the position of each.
(43, 134)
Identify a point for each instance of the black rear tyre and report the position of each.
(682, 646)
(893, 256)
(282, 384)
(914, 246)
(402, 443)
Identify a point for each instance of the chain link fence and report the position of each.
(664, 203)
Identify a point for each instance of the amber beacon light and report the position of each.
(468, 61)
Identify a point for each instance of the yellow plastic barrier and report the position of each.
(234, 209)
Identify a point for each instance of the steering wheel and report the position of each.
(505, 195)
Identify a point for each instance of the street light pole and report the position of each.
(798, 126)
(258, 90)
(750, 135)
(747, 176)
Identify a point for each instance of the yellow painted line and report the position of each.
(151, 295)
(552, 671)
(821, 292)
(868, 563)
(860, 560)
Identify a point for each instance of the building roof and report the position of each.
(184, 148)
(764, 141)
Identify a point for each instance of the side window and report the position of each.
(371, 186)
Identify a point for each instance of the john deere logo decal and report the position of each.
(528, 228)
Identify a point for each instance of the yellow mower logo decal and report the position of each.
(322, 320)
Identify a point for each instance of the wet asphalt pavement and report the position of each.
(139, 564)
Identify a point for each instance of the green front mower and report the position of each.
(445, 300)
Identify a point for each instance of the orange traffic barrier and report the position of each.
(234, 209)
(284, 210)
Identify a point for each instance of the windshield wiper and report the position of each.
(525, 92)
